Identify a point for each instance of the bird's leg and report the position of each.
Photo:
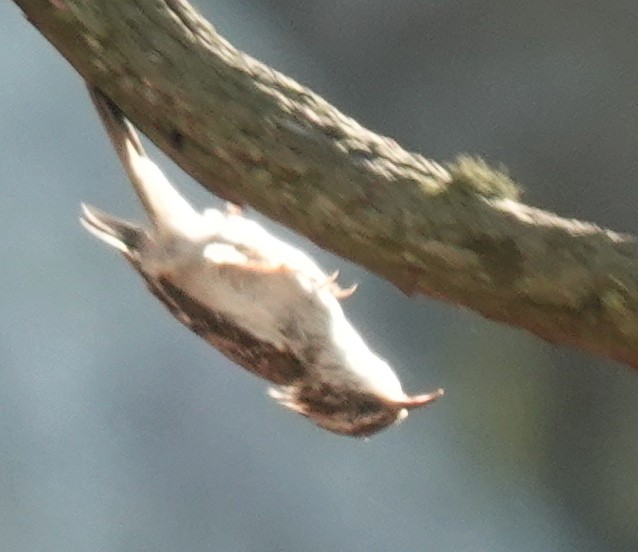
(339, 292)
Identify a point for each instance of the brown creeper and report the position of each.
(263, 303)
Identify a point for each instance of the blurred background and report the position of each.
(121, 431)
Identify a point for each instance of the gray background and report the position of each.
(120, 431)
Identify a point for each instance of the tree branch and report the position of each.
(252, 135)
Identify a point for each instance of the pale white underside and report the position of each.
(235, 267)
(290, 307)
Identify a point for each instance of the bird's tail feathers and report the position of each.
(167, 209)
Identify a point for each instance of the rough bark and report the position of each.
(253, 136)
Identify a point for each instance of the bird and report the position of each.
(262, 302)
